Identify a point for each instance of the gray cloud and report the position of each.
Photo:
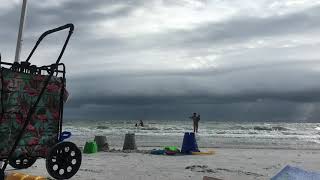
(244, 28)
(209, 68)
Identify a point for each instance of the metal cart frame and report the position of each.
(63, 159)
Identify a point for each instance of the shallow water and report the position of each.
(211, 134)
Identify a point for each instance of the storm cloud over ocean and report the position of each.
(164, 59)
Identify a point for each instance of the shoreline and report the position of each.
(212, 135)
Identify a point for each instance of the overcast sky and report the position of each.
(164, 59)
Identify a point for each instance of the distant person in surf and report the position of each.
(194, 118)
(197, 122)
(141, 123)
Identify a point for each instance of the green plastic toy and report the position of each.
(171, 148)
(90, 147)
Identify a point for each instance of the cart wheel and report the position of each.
(64, 160)
(22, 162)
(1, 174)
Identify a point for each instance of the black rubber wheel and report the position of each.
(64, 160)
(1, 174)
(22, 162)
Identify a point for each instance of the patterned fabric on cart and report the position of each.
(20, 91)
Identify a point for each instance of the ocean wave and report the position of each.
(240, 127)
(172, 128)
(291, 133)
(221, 132)
(259, 128)
(102, 127)
(235, 132)
(273, 128)
(279, 128)
(148, 128)
(262, 128)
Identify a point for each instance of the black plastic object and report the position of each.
(22, 162)
(1, 174)
(64, 135)
(64, 160)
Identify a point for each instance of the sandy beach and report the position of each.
(238, 164)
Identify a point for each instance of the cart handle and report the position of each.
(67, 26)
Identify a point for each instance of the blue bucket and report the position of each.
(189, 143)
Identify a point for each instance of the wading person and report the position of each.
(195, 122)
(141, 123)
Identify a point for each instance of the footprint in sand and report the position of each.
(205, 169)
(199, 168)
(271, 167)
(91, 170)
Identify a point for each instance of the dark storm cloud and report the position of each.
(269, 92)
(189, 88)
(253, 111)
(294, 97)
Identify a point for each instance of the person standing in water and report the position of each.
(141, 123)
(197, 122)
(194, 118)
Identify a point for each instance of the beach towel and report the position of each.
(294, 173)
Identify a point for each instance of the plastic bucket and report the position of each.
(101, 142)
(90, 147)
(129, 142)
(189, 143)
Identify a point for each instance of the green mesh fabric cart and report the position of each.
(31, 111)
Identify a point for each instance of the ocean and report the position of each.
(211, 134)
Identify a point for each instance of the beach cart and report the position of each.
(31, 111)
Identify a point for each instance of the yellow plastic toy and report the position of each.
(21, 176)
(204, 153)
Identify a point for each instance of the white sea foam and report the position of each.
(296, 135)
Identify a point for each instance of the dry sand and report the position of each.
(238, 164)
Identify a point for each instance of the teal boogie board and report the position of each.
(157, 152)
